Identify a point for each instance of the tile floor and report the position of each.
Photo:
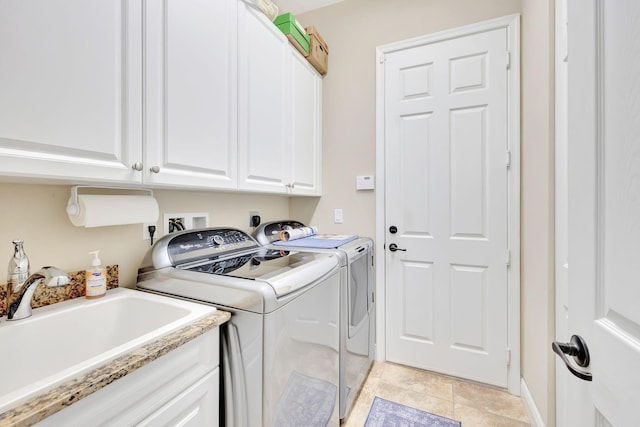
(473, 404)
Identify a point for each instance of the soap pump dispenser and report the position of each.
(18, 266)
(96, 278)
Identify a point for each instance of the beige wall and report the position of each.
(36, 214)
(352, 30)
(538, 287)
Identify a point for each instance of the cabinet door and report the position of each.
(305, 123)
(190, 93)
(262, 108)
(70, 85)
(199, 405)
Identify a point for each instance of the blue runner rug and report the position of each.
(384, 413)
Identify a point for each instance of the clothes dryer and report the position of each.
(357, 299)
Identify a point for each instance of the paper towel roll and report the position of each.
(297, 233)
(103, 210)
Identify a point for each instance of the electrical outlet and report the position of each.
(145, 231)
(254, 219)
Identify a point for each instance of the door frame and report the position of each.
(561, 223)
(512, 24)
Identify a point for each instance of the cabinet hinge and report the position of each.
(508, 59)
(382, 59)
(508, 158)
(508, 356)
(507, 258)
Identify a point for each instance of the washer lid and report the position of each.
(284, 271)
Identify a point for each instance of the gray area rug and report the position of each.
(384, 413)
(306, 401)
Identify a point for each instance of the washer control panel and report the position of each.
(208, 243)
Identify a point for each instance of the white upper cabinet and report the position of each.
(190, 93)
(305, 127)
(202, 94)
(263, 83)
(70, 85)
(279, 113)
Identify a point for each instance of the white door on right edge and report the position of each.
(604, 211)
(446, 180)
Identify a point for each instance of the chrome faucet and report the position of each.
(19, 297)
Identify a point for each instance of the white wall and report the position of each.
(352, 30)
(36, 214)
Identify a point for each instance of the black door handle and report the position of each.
(393, 247)
(577, 348)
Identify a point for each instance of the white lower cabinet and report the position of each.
(179, 388)
(192, 408)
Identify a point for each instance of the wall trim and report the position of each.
(530, 405)
(512, 24)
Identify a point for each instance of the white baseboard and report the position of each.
(530, 405)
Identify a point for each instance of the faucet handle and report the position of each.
(54, 277)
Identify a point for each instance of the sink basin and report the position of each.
(63, 340)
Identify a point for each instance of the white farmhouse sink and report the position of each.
(63, 340)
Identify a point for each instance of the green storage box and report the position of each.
(295, 33)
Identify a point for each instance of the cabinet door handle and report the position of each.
(155, 169)
(137, 166)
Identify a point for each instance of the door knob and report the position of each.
(154, 169)
(577, 348)
(137, 166)
(393, 247)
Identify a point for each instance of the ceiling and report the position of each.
(301, 6)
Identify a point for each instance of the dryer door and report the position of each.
(358, 291)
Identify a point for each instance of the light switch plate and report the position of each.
(337, 216)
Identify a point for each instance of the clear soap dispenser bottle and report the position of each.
(18, 267)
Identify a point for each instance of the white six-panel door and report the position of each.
(604, 209)
(446, 193)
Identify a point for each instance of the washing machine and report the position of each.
(281, 348)
(357, 299)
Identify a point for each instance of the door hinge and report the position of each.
(382, 59)
(508, 59)
(508, 159)
(507, 258)
(508, 356)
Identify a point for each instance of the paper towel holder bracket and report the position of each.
(73, 207)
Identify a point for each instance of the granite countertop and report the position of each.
(48, 403)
